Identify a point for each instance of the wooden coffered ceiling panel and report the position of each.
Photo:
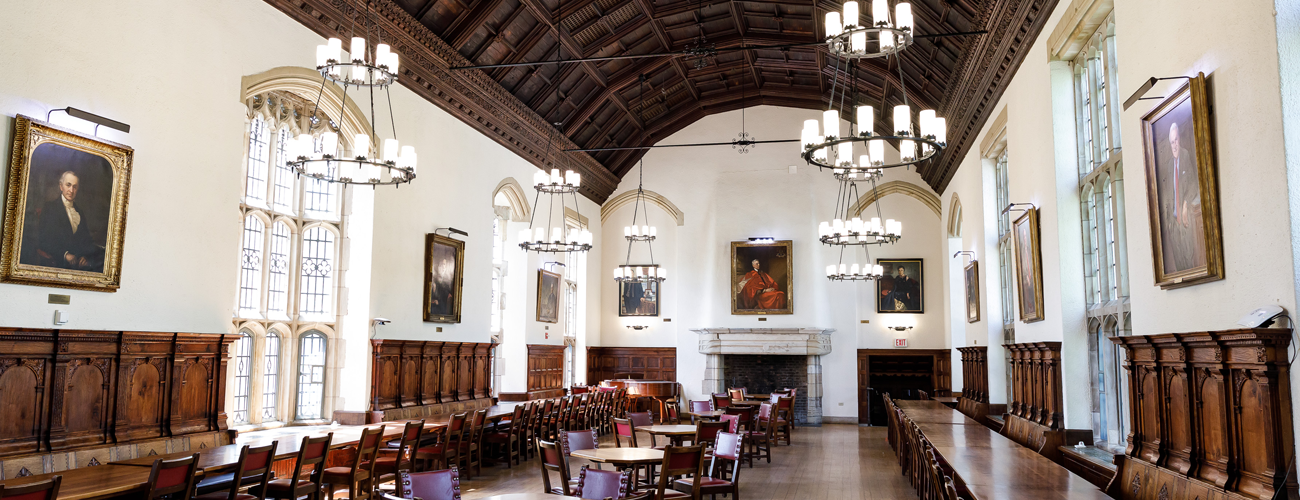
(601, 104)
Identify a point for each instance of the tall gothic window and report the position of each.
(1006, 262)
(289, 264)
(1105, 257)
(243, 372)
(311, 375)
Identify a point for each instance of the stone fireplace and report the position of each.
(753, 351)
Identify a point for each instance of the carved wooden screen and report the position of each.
(975, 373)
(1211, 416)
(1036, 383)
(24, 382)
(83, 389)
(197, 367)
(545, 367)
(647, 363)
(408, 373)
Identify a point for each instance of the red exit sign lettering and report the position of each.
(900, 342)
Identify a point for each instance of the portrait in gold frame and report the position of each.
(973, 292)
(65, 210)
(548, 296)
(444, 278)
(1029, 266)
(767, 288)
(1182, 192)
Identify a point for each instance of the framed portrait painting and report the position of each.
(1182, 189)
(548, 296)
(66, 212)
(762, 277)
(901, 288)
(973, 292)
(444, 275)
(1029, 266)
(638, 299)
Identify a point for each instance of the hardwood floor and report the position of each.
(831, 462)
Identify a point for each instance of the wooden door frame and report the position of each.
(940, 378)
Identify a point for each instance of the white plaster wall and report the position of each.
(727, 196)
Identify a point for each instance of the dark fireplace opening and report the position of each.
(762, 374)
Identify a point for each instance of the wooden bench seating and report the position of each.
(1037, 437)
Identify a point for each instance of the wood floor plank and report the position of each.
(832, 462)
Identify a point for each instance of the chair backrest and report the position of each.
(745, 413)
(553, 460)
(456, 426)
(579, 389)
(517, 419)
(732, 421)
(431, 485)
(412, 433)
(172, 476)
(311, 457)
(641, 418)
(736, 394)
(368, 448)
(706, 432)
(624, 428)
(44, 490)
(671, 413)
(701, 406)
(571, 441)
(720, 401)
(253, 468)
(601, 484)
(785, 402)
(476, 428)
(728, 445)
(681, 461)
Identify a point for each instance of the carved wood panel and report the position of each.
(545, 367)
(975, 373)
(1211, 416)
(1036, 383)
(24, 385)
(143, 371)
(465, 372)
(649, 363)
(409, 373)
(195, 373)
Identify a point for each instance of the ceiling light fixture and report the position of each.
(551, 237)
(640, 273)
(844, 232)
(325, 157)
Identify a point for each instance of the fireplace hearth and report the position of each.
(768, 359)
(764, 374)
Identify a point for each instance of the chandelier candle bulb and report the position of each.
(329, 143)
(361, 146)
(381, 54)
(858, 42)
(322, 55)
(390, 150)
(408, 158)
(879, 271)
(555, 235)
(875, 225)
(845, 153)
(940, 127)
(880, 12)
(886, 41)
(903, 16)
(824, 229)
(555, 176)
(575, 179)
(540, 178)
(568, 177)
(663, 274)
(358, 52)
(838, 226)
(843, 268)
(907, 150)
(833, 26)
(539, 235)
(335, 49)
(820, 154)
(903, 119)
(645, 230)
(857, 225)
(372, 173)
(851, 14)
(392, 63)
(926, 119)
(627, 231)
(866, 119)
(864, 161)
(855, 269)
(653, 232)
(831, 123)
(876, 149)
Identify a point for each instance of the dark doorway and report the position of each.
(902, 374)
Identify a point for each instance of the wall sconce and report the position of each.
(1012, 207)
(638, 327)
(762, 240)
(969, 254)
(899, 328)
(92, 118)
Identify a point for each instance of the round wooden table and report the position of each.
(711, 414)
(675, 433)
(622, 456)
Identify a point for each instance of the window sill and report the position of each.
(258, 427)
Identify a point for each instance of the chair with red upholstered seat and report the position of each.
(760, 439)
(736, 393)
(44, 490)
(507, 439)
(603, 484)
(253, 469)
(681, 461)
(552, 459)
(471, 448)
(701, 406)
(783, 417)
(431, 485)
(358, 478)
(393, 460)
(732, 421)
(311, 462)
(443, 453)
(172, 478)
(723, 474)
(706, 434)
(720, 401)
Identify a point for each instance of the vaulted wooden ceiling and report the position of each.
(600, 104)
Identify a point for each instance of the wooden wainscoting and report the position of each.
(645, 363)
(901, 373)
(65, 390)
(545, 374)
(1035, 415)
(974, 401)
(418, 379)
(1211, 416)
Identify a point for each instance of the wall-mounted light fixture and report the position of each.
(1012, 207)
(1146, 87)
(899, 328)
(969, 254)
(762, 240)
(450, 231)
(92, 118)
(638, 327)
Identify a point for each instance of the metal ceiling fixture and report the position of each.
(844, 232)
(640, 273)
(324, 157)
(826, 147)
(552, 237)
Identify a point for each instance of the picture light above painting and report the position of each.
(65, 222)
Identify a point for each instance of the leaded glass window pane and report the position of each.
(311, 375)
(271, 377)
(250, 267)
(259, 138)
(317, 272)
(283, 190)
(277, 296)
(243, 372)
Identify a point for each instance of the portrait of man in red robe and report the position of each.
(759, 291)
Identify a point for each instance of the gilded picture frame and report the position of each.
(901, 289)
(973, 292)
(1029, 266)
(444, 278)
(639, 299)
(1186, 236)
(767, 289)
(65, 210)
(548, 296)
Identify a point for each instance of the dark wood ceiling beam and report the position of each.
(551, 84)
(464, 26)
(737, 17)
(543, 15)
(527, 45)
(680, 68)
(620, 80)
(684, 7)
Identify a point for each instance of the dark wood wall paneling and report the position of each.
(1211, 416)
(68, 389)
(545, 374)
(1035, 414)
(411, 373)
(974, 401)
(645, 363)
(899, 372)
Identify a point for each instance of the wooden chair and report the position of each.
(552, 459)
(44, 490)
(253, 468)
(672, 414)
(701, 406)
(681, 461)
(736, 393)
(442, 454)
(784, 417)
(472, 447)
(527, 431)
(310, 461)
(706, 433)
(720, 401)
(924, 395)
(507, 439)
(393, 460)
(746, 414)
(723, 477)
(603, 484)
(431, 485)
(172, 477)
(760, 439)
(624, 428)
(358, 478)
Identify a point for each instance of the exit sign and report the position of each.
(900, 342)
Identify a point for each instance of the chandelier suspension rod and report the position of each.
(627, 148)
(688, 53)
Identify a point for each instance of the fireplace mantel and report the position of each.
(790, 341)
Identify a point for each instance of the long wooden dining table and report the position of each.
(990, 465)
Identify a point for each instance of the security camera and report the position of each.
(382, 321)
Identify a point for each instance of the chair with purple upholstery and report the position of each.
(723, 477)
(601, 484)
(432, 485)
